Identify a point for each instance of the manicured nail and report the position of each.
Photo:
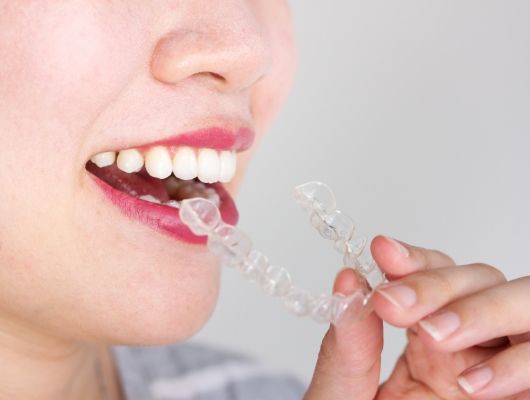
(399, 247)
(440, 326)
(398, 294)
(475, 379)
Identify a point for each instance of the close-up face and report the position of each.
(187, 88)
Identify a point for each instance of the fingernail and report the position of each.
(440, 326)
(475, 379)
(398, 294)
(399, 247)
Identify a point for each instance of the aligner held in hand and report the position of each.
(234, 248)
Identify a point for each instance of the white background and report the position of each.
(417, 114)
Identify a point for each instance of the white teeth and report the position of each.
(172, 203)
(104, 159)
(130, 160)
(208, 165)
(158, 162)
(185, 163)
(150, 199)
(227, 169)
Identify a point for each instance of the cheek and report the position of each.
(269, 94)
(150, 303)
(63, 62)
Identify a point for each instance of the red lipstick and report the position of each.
(213, 137)
(164, 218)
(117, 185)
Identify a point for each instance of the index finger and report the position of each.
(397, 258)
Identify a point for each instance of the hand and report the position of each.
(479, 319)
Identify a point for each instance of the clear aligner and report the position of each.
(318, 200)
(234, 248)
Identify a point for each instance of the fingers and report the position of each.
(469, 310)
(399, 385)
(405, 301)
(523, 337)
(505, 374)
(397, 258)
(423, 361)
(350, 356)
(495, 312)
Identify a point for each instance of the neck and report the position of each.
(40, 367)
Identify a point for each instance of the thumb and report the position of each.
(349, 362)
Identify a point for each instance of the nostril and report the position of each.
(215, 77)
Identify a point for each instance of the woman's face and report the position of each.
(79, 77)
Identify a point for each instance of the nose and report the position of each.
(227, 46)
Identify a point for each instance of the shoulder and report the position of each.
(191, 371)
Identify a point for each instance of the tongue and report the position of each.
(135, 184)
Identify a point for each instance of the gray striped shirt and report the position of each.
(192, 372)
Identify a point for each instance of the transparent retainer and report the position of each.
(234, 248)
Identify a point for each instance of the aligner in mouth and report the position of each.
(169, 191)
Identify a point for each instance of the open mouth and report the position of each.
(148, 183)
(165, 176)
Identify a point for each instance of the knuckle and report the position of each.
(433, 258)
(424, 257)
(440, 254)
(490, 269)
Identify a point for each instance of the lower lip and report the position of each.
(166, 219)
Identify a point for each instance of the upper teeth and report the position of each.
(158, 162)
(130, 160)
(208, 165)
(104, 159)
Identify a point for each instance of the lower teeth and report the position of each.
(208, 194)
(173, 203)
(150, 199)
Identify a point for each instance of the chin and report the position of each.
(163, 320)
(156, 309)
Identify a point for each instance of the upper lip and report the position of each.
(214, 137)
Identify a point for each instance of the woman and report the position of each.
(101, 102)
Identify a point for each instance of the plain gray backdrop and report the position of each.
(417, 114)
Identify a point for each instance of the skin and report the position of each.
(79, 77)
(82, 76)
(496, 337)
